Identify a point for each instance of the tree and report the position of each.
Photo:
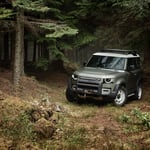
(136, 15)
(21, 7)
(18, 63)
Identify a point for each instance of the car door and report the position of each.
(133, 74)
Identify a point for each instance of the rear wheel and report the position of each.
(138, 93)
(121, 97)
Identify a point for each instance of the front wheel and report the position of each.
(121, 97)
(70, 95)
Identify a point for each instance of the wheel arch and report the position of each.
(122, 82)
(140, 81)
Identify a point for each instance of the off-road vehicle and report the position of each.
(110, 73)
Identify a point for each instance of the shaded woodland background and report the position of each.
(38, 33)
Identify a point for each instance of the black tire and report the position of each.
(70, 95)
(138, 93)
(121, 96)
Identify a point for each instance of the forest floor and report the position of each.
(91, 124)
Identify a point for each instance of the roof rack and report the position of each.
(120, 51)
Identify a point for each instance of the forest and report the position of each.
(41, 43)
(61, 26)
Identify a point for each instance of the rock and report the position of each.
(40, 112)
(58, 108)
(44, 128)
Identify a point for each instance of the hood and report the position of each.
(98, 72)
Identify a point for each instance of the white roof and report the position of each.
(115, 54)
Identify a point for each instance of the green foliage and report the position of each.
(83, 39)
(42, 63)
(113, 23)
(54, 7)
(127, 26)
(88, 9)
(5, 13)
(138, 7)
(134, 39)
(138, 119)
(64, 44)
(58, 30)
(143, 117)
(84, 7)
(54, 52)
(30, 5)
(125, 118)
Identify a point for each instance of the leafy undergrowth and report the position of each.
(94, 125)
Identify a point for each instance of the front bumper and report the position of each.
(94, 88)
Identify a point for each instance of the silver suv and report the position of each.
(110, 73)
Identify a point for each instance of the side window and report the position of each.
(131, 65)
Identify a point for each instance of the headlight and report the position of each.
(75, 77)
(108, 80)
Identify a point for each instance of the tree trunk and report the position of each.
(19, 52)
(6, 47)
(25, 51)
(22, 48)
(34, 51)
(12, 51)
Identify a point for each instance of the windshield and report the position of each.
(107, 62)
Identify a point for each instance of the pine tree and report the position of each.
(27, 12)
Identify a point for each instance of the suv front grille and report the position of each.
(88, 84)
